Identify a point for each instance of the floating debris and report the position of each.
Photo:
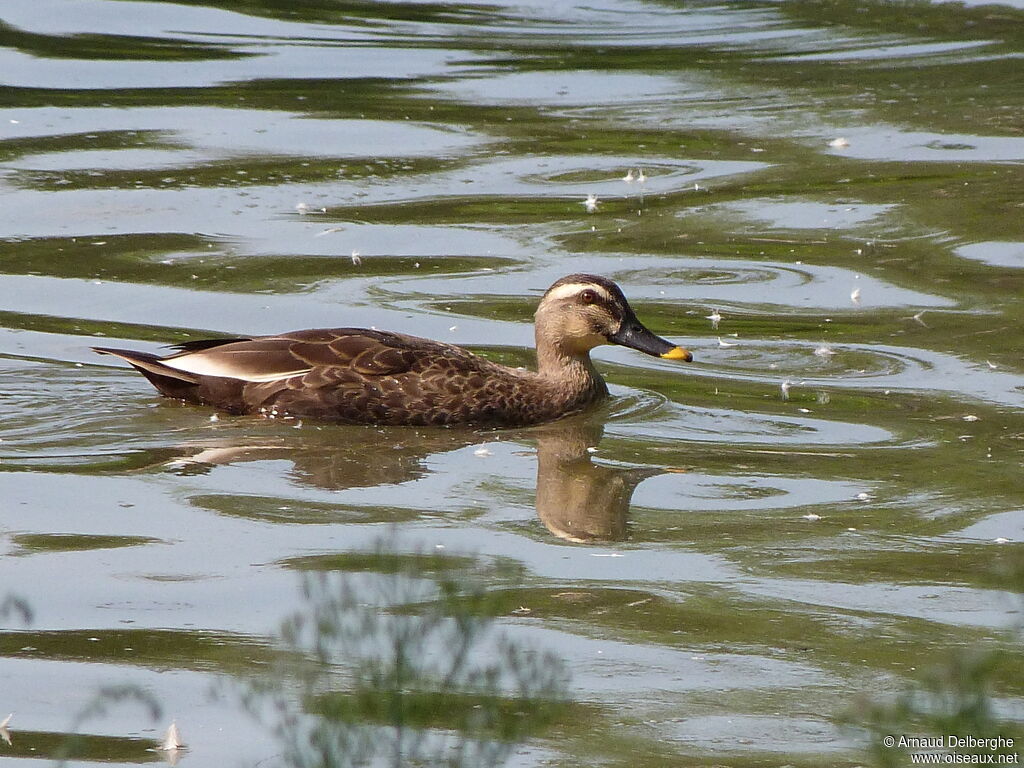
(329, 231)
(715, 317)
(590, 203)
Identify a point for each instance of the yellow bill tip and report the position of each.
(678, 353)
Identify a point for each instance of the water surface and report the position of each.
(727, 564)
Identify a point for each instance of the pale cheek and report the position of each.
(586, 342)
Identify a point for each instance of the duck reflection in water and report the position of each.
(577, 499)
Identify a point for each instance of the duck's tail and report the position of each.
(168, 381)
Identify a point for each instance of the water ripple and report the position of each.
(723, 426)
(859, 366)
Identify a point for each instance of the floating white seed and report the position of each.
(172, 739)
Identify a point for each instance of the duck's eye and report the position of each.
(588, 296)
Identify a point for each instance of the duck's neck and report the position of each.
(573, 375)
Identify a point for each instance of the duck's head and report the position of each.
(580, 312)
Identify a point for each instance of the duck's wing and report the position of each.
(349, 375)
(273, 358)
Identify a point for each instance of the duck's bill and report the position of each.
(636, 336)
(678, 353)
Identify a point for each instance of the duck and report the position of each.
(372, 377)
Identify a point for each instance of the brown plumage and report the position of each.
(361, 376)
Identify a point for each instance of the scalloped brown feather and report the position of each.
(359, 376)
